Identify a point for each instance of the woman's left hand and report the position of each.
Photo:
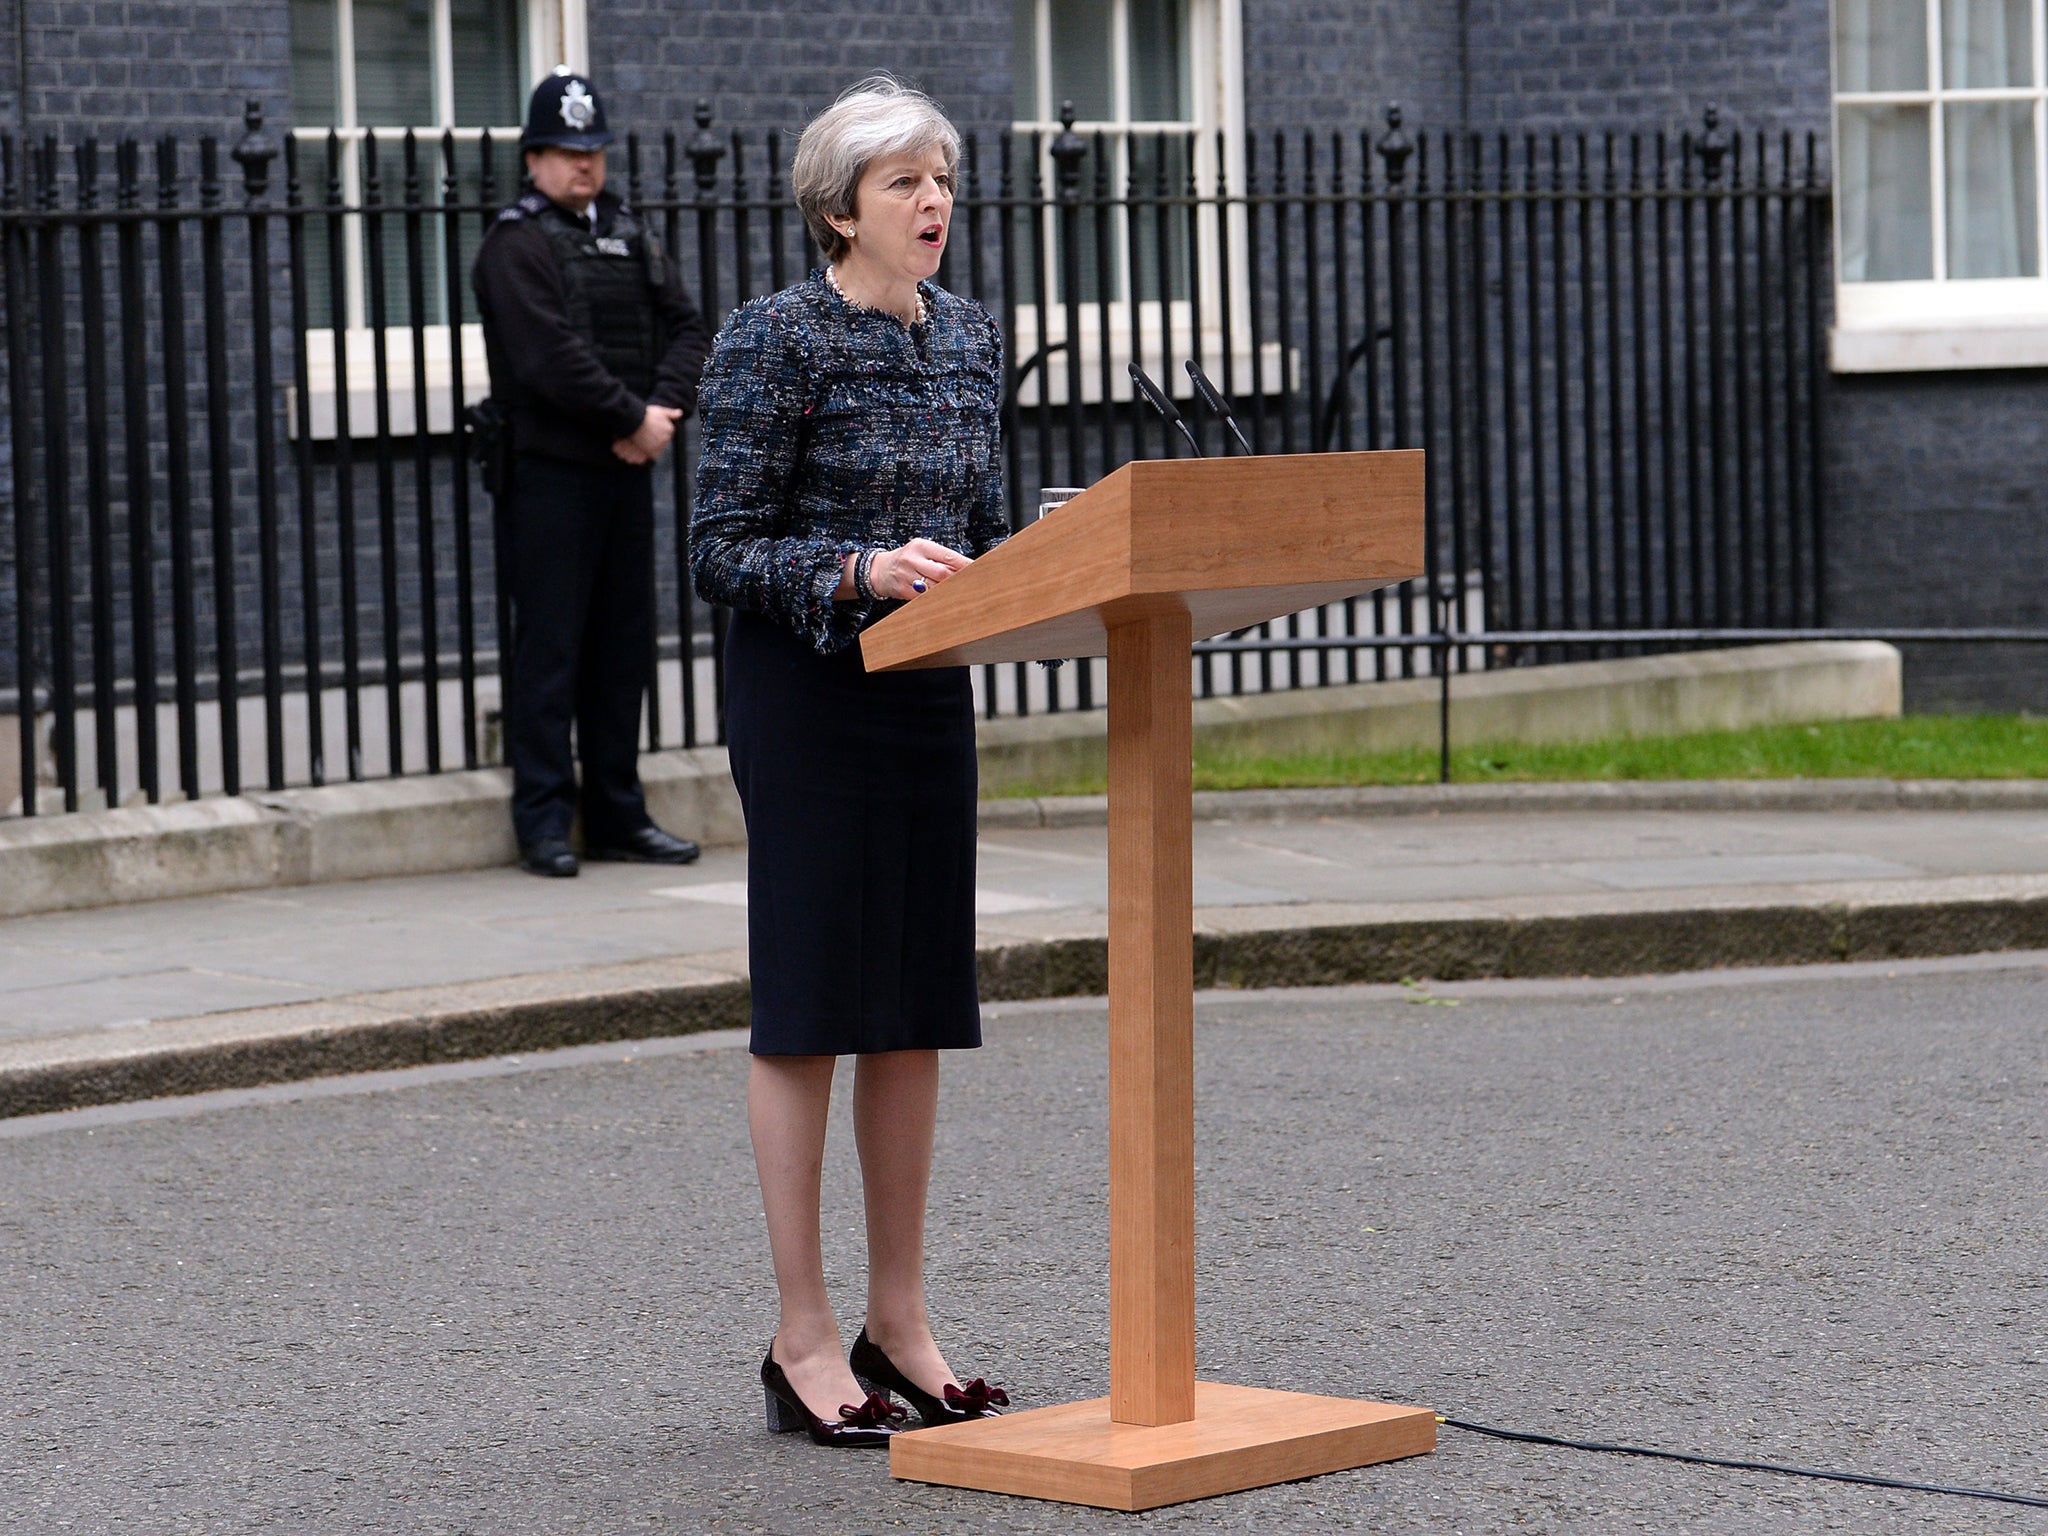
(901, 573)
(912, 568)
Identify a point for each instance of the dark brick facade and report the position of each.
(775, 65)
(109, 67)
(1634, 64)
(1938, 514)
(10, 67)
(1934, 482)
(148, 67)
(1338, 63)
(143, 65)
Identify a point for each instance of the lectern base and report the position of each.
(1240, 1437)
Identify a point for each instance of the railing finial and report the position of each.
(1395, 146)
(1712, 145)
(705, 150)
(254, 152)
(1067, 149)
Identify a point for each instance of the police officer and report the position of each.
(594, 353)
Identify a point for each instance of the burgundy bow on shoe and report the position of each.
(875, 1413)
(976, 1397)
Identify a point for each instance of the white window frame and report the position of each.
(1215, 35)
(557, 33)
(1942, 323)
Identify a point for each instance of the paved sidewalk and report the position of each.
(1294, 894)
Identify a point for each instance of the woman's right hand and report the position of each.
(895, 572)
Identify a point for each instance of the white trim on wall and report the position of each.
(567, 28)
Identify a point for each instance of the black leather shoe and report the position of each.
(877, 1372)
(650, 845)
(870, 1424)
(550, 856)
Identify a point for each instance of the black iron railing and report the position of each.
(242, 545)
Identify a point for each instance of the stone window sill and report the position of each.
(441, 412)
(1939, 327)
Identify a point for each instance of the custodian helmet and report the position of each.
(565, 111)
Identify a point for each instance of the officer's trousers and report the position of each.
(582, 542)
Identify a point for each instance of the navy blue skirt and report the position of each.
(859, 790)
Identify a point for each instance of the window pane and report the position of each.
(1159, 233)
(1024, 61)
(316, 176)
(316, 85)
(484, 35)
(391, 233)
(1028, 153)
(1887, 195)
(476, 211)
(1880, 45)
(1159, 61)
(475, 215)
(1986, 43)
(1081, 58)
(1089, 225)
(1988, 148)
(394, 62)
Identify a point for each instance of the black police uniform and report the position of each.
(585, 324)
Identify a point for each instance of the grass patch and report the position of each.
(1917, 747)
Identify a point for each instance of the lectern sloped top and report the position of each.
(1233, 541)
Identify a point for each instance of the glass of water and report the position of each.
(1057, 496)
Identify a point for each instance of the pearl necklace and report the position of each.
(832, 282)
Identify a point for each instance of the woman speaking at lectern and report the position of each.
(850, 462)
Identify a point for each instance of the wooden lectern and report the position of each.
(1156, 554)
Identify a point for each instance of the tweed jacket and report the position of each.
(829, 428)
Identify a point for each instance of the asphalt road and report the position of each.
(1785, 1217)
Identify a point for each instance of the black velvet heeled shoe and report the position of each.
(869, 1424)
(877, 1372)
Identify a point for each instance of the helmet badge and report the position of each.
(577, 106)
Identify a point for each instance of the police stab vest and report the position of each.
(611, 280)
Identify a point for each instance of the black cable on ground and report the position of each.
(2031, 1500)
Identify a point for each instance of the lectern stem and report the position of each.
(1151, 1022)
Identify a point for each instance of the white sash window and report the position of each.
(380, 67)
(1940, 115)
(1160, 80)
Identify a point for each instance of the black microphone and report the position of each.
(1216, 402)
(1164, 406)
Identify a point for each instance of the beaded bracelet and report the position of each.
(863, 566)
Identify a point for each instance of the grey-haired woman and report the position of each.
(850, 463)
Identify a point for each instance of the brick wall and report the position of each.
(1925, 474)
(1575, 64)
(120, 68)
(1597, 64)
(774, 65)
(10, 73)
(1337, 63)
(148, 67)
(1937, 498)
